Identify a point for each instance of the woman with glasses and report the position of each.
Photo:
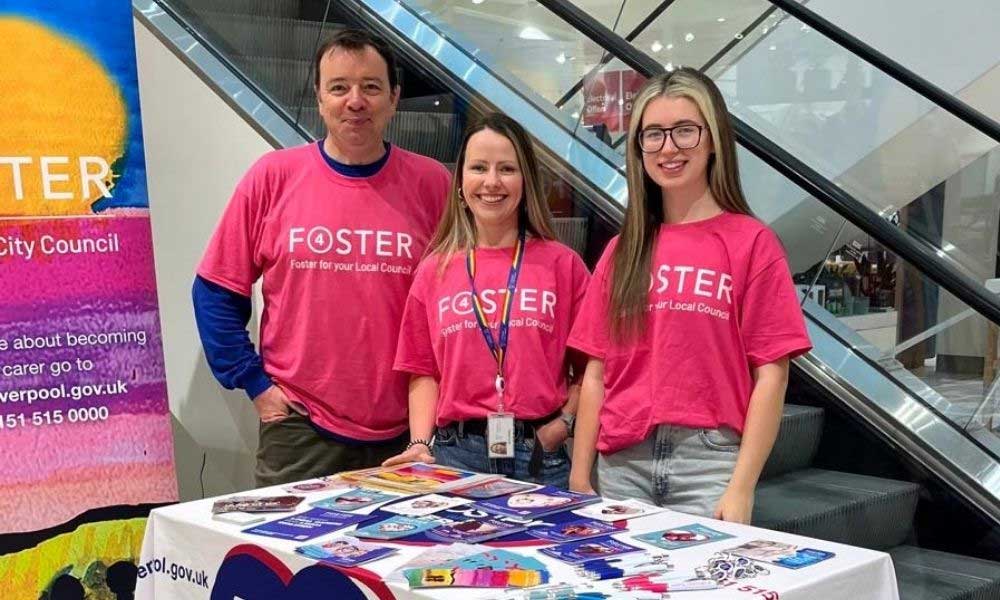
(484, 330)
(689, 321)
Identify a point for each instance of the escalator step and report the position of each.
(931, 575)
(286, 80)
(269, 8)
(251, 35)
(842, 507)
(798, 439)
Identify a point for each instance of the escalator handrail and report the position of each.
(926, 258)
(918, 84)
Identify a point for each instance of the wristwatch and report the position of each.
(569, 420)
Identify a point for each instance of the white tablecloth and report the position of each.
(188, 555)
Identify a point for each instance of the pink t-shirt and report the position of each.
(440, 337)
(721, 303)
(337, 255)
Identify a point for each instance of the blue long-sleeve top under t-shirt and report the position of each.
(222, 316)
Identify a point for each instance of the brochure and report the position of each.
(473, 531)
(416, 478)
(355, 499)
(345, 552)
(492, 489)
(682, 537)
(308, 525)
(424, 505)
(580, 529)
(323, 484)
(256, 504)
(397, 527)
(582, 551)
(781, 554)
(538, 503)
(239, 518)
(612, 510)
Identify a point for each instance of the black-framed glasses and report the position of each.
(685, 137)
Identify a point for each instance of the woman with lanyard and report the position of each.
(485, 326)
(690, 319)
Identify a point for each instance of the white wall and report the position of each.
(197, 148)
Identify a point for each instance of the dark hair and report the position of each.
(355, 40)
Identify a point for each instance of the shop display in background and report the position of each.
(852, 282)
(608, 99)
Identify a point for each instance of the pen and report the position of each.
(602, 574)
(675, 586)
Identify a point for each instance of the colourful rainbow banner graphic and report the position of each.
(85, 429)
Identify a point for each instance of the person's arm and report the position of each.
(423, 413)
(222, 316)
(557, 431)
(588, 425)
(759, 433)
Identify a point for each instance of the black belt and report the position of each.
(523, 429)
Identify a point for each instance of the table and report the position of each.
(188, 555)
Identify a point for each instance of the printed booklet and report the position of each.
(474, 531)
(572, 531)
(781, 553)
(613, 510)
(424, 505)
(308, 525)
(492, 489)
(323, 484)
(682, 537)
(416, 478)
(398, 527)
(538, 503)
(345, 552)
(582, 551)
(256, 504)
(355, 499)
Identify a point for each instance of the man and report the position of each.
(336, 229)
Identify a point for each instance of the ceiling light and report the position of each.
(739, 36)
(533, 33)
(656, 46)
(477, 1)
(669, 66)
(721, 19)
(575, 115)
(670, 46)
(689, 37)
(561, 58)
(773, 48)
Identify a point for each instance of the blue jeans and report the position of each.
(682, 469)
(467, 451)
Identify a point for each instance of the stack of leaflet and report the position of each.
(537, 503)
(416, 478)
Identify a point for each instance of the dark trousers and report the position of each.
(292, 450)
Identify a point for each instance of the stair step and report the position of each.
(270, 8)
(925, 574)
(798, 439)
(268, 36)
(841, 507)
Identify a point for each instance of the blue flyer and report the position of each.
(803, 557)
(579, 529)
(345, 552)
(308, 525)
(355, 499)
(538, 503)
(399, 526)
(584, 550)
(684, 536)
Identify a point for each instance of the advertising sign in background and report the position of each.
(85, 429)
(608, 99)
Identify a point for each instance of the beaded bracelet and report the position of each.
(426, 443)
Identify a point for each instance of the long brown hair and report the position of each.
(644, 214)
(457, 231)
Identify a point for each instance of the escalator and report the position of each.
(870, 388)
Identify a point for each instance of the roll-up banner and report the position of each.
(85, 434)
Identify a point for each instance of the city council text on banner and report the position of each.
(84, 422)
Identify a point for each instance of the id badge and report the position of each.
(500, 435)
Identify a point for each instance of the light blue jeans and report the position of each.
(468, 452)
(682, 469)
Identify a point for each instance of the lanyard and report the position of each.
(498, 347)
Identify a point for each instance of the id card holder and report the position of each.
(500, 435)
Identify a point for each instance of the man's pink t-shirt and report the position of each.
(440, 337)
(721, 303)
(337, 255)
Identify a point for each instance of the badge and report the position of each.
(500, 435)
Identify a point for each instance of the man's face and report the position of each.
(354, 97)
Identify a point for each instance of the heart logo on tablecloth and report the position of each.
(251, 573)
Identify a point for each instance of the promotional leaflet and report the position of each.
(355, 499)
(397, 527)
(492, 489)
(345, 552)
(613, 510)
(256, 504)
(416, 478)
(424, 505)
(580, 529)
(781, 554)
(682, 537)
(323, 484)
(473, 531)
(578, 552)
(539, 503)
(308, 525)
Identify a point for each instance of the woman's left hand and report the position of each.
(735, 506)
(552, 434)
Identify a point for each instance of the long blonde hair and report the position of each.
(457, 231)
(644, 214)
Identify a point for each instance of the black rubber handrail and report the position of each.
(918, 84)
(967, 289)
